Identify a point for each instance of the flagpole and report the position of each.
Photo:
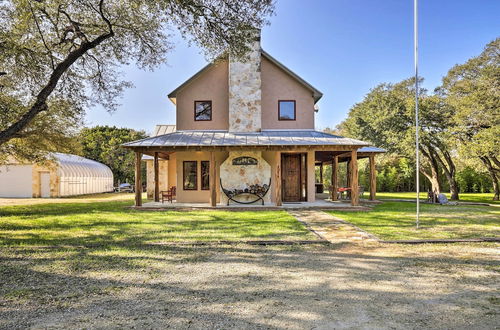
(415, 49)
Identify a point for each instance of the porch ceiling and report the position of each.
(364, 152)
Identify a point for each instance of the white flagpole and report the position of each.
(415, 48)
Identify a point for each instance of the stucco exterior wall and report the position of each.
(278, 85)
(197, 196)
(311, 179)
(273, 158)
(231, 178)
(172, 171)
(212, 85)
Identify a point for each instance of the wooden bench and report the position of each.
(259, 191)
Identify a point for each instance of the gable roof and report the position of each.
(315, 92)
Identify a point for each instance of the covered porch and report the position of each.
(283, 161)
(346, 191)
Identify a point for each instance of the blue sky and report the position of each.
(342, 47)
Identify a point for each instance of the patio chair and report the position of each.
(168, 195)
(343, 193)
(431, 197)
(361, 191)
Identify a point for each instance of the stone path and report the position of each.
(331, 228)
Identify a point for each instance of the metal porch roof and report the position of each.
(228, 139)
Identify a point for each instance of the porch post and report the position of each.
(213, 185)
(373, 178)
(334, 187)
(278, 185)
(157, 181)
(348, 173)
(321, 173)
(348, 177)
(354, 178)
(138, 184)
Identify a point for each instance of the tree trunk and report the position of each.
(494, 177)
(433, 176)
(450, 172)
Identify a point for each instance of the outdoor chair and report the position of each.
(343, 193)
(431, 197)
(168, 195)
(361, 191)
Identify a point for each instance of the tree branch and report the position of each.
(41, 99)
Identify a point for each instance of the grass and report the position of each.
(396, 221)
(108, 223)
(464, 197)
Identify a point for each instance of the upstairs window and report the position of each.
(202, 110)
(190, 175)
(286, 110)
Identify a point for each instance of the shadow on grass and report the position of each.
(93, 266)
(109, 223)
(144, 286)
(396, 220)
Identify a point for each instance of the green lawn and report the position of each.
(109, 223)
(464, 197)
(396, 221)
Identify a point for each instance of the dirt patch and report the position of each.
(318, 287)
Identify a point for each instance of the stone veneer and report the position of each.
(245, 91)
(162, 177)
(242, 176)
(55, 181)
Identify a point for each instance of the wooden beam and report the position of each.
(335, 169)
(277, 184)
(138, 184)
(373, 178)
(156, 177)
(354, 178)
(213, 185)
(321, 173)
(348, 173)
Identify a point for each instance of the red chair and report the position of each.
(168, 195)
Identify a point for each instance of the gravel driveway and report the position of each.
(315, 287)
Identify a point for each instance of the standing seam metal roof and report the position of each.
(228, 139)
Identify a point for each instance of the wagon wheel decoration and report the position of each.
(257, 190)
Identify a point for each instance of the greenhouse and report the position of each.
(62, 175)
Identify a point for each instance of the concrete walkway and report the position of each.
(331, 228)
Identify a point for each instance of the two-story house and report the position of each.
(243, 124)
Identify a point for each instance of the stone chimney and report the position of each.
(245, 91)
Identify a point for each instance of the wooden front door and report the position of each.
(293, 176)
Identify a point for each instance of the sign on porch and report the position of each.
(245, 161)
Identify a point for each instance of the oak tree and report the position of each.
(70, 51)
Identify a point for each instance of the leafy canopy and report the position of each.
(102, 143)
(70, 51)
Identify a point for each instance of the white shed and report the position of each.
(63, 175)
